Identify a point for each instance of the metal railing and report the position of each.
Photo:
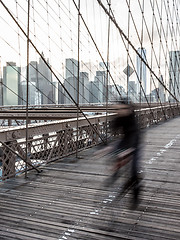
(53, 140)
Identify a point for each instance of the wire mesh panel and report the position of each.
(60, 140)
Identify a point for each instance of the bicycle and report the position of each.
(120, 162)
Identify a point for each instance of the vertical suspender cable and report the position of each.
(107, 75)
(77, 132)
(152, 39)
(142, 54)
(128, 68)
(27, 89)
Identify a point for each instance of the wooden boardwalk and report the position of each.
(68, 200)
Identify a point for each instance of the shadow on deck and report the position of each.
(68, 201)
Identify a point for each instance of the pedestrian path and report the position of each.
(68, 200)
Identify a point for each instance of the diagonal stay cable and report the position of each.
(133, 47)
(152, 48)
(145, 24)
(51, 70)
(160, 36)
(161, 45)
(96, 47)
(67, 45)
(37, 71)
(58, 47)
(56, 43)
(99, 50)
(137, 75)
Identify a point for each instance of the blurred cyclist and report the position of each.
(126, 121)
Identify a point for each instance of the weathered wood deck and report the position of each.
(68, 200)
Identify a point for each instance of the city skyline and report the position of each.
(40, 93)
(60, 41)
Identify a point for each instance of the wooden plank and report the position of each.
(67, 198)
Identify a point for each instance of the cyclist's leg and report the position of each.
(136, 177)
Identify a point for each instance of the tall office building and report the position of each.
(84, 87)
(11, 84)
(1, 85)
(132, 91)
(100, 86)
(44, 82)
(92, 90)
(103, 66)
(40, 84)
(71, 68)
(34, 92)
(141, 70)
(174, 74)
(115, 93)
(34, 95)
(55, 91)
(161, 90)
(60, 94)
(70, 82)
(1, 92)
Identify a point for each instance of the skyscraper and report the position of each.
(92, 91)
(161, 90)
(60, 94)
(174, 74)
(1, 92)
(44, 82)
(70, 82)
(116, 92)
(84, 87)
(1, 80)
(141, 70)
(132, 91)
(34, 96)
(11, 81)
(55, 92)
(100, 86)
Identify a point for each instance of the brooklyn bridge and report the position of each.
(64, 66)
